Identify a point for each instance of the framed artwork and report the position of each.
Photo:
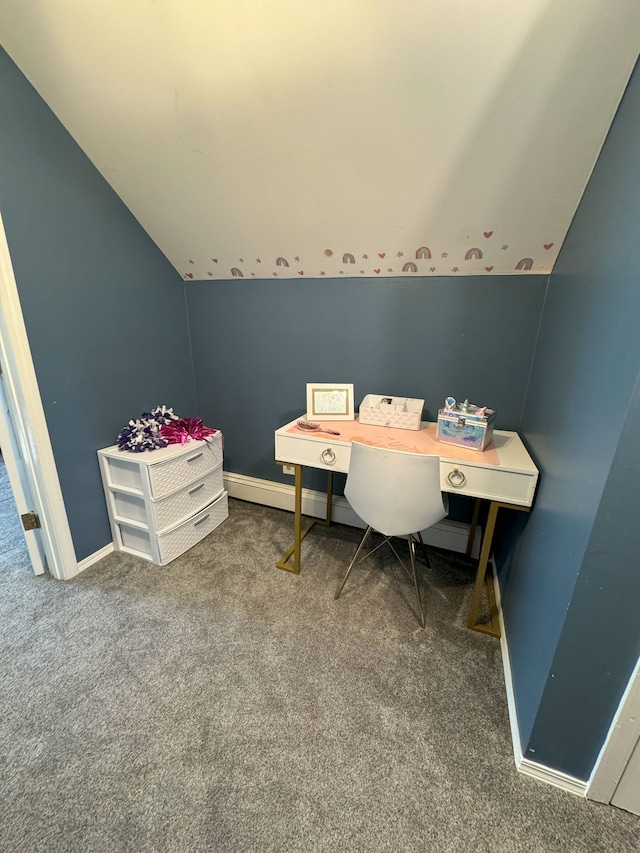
(329, 401)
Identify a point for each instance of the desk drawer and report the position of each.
(494, 484)
(314, 452)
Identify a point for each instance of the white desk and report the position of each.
(504, 475)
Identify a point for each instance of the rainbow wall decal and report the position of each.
(423, 252)
(348, 258)
(409, 267)
(282, 262)
(236, 273)
(524, 264)
(473, 253)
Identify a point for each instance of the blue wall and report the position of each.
(257, 343)
(570, 593)
(104, 310)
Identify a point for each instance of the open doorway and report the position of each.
(14, 555)
(15, 500)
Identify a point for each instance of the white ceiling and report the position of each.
(342, 138)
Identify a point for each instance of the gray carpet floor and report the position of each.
(220, 704)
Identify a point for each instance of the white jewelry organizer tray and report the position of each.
(399, 412)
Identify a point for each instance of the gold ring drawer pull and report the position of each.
(328, 456)
(456, 478)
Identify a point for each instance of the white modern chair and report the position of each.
(396, 494)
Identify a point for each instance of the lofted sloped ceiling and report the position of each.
(343, 138)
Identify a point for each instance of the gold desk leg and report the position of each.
(474, 524)
(482, 578)
(327, 519)
(298, 532)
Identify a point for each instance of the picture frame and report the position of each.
(330, 401)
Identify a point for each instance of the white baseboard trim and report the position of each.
(95, 557)
(567, 783)
(524, 765)
(451, 535)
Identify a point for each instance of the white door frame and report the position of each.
(30, 426)
(623, 736)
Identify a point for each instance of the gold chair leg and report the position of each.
(354, 561)
(387, 540)
(412, 553)
(412, 575)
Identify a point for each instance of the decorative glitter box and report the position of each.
(465, 425)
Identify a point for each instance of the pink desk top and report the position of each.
(421, 440)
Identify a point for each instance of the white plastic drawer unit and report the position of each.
(161, 502)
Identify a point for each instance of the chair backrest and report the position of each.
(396, 492)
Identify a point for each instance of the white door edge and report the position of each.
(621, 740)
(30, 427)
